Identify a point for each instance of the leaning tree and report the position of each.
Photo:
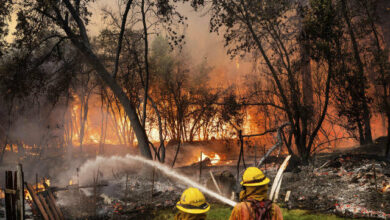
(68, 20)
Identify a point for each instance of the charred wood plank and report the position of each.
(37, 202)
(9, 191)
(52, 201)
(44, 204)
(20, 192)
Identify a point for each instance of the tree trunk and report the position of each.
(367, 123)
(387, 154)
(83, 120)
(139, 131)
(146, 50)
(382, 11)
(161, 150)
(103, 130)
(10, 108)
(360, 75)
(82, 44)
(307, 82)
(177, 153)
(361, 133)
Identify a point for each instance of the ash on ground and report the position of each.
(348, 185)
(125, 197)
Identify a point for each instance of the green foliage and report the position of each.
(5, 16)
(298, 214)
(222, 212)
(322, 28)
(217, 212)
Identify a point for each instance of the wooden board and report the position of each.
(52, 202)
(37, 202)
(278, 179)
(44, 204)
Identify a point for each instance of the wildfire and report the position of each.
(386, 188)
(38, 188)
(214, 158)
(2, 194)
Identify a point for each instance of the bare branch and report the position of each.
(80, 23)
(119, 47)
(278, 143)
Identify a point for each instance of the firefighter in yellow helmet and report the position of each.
(192, 205)
(254, 203)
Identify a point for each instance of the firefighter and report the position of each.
(255, 204)
(192, 205)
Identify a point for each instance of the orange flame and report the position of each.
(386, 188)
(214, 158)
(38, 188)
(2, 194)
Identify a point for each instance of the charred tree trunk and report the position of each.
(177, 153)
(382, 59)
(146, 50)
(103, 130)
(359, 74)
(10, 108)
(387, 153)
(161, 149)
(83, 120)
(361, 133)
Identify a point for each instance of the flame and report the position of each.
(27, 195)
(70, 182)
(2, 194)
(386, 188)
(237, 63)
(38, 188)
(214, 158)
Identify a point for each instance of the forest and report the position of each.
(88, 87)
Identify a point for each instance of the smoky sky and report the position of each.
(199, 42)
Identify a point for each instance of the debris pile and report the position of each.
(349, 185)
(123, 197)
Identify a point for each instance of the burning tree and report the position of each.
(66, 21)
(273, 30)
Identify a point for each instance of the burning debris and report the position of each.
(214, 158)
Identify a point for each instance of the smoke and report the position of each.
(105, 168)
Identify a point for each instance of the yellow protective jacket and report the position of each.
(244, 211)
(186, 216)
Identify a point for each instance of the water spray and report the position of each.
(124, 160)
(168, 171)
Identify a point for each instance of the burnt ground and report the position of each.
(348, 183)
(344, 184)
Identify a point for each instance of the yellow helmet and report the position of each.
(253, 176)
(193, 201)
